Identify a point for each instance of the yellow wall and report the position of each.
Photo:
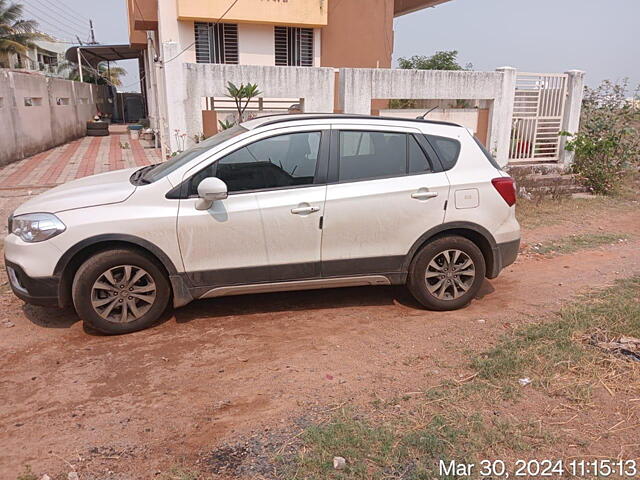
(143, 16)
(281, 12)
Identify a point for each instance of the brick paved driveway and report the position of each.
(86, 156)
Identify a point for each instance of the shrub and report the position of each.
(607, 144)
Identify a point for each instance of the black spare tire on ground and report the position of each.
(97, 133)
(91, 125)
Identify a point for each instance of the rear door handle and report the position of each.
(424, 195)
(304, 210)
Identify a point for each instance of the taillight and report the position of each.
(506, 187)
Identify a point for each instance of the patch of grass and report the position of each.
(177, 473)
(573, 243)
(461, 420)
(27, 474)
(543, 211)
(352, 438)
(545, 351)
(549, 211)
(409, 448)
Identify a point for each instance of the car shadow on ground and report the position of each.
(50, 317)
(296, 301)
(264, 303)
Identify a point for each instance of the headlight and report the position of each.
(36, 227)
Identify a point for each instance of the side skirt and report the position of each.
(356, 281)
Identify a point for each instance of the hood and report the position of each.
(110, 187)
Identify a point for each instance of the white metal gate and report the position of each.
(537, 117)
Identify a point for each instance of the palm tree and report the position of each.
(104, 75)
(16, 34)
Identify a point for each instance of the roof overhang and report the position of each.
(95, 54)
(402, 7)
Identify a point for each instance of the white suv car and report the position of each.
(278, 203)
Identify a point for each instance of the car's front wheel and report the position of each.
(447, 273)
(120, 291)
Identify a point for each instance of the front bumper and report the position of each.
(36, 290)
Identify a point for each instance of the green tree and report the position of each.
(16, 33)
(444, 60)
(101, 76)
(607, 146)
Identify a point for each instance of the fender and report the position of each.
(115, 237)
(490, 256)
(179, 283)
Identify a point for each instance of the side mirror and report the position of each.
(209, 190)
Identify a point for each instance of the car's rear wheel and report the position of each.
(447, 273)
(120, 291)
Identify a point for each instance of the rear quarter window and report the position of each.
(447, 149)
(487, 153)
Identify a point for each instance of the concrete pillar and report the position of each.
(173, 90)
(150, 83)
(572, 107)
(501, 113)
(355, 91)
(193, 100)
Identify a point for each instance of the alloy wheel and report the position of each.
(450, 274)
(123, 294)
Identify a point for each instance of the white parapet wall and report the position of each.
(359, 86)
(467, 117)
(38, 112)
(187, 83)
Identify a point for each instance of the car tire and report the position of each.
(97, 133)
(120, 291)
(447, 273)
(91, 125)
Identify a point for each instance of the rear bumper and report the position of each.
(504, 254)
(36, 290)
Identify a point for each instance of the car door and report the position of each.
(385, 190)
(267, 229)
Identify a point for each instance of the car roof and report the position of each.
(287, 118)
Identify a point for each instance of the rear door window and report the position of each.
(366, 155)
(418, 161)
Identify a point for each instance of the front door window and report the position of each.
(277, 162)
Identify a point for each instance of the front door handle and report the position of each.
(304, 210)
(424, 194)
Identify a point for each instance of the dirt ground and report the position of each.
(134, 405)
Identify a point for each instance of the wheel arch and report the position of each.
(472, 231)
(71, 260)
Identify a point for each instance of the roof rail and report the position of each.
(287, 117)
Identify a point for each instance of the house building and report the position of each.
(44, 56)
(322, 56)
(321, 33)
(296, 33)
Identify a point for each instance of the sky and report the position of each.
(600, 37)
(67, 18)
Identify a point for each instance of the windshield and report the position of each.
(163, 169)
